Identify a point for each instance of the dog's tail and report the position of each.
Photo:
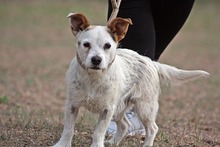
(174, 76)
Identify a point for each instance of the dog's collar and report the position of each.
(83, 66)
(79, 61)
(111, 62)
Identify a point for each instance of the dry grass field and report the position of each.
(36, 47)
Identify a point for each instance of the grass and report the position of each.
(36, 47)
(4, 99)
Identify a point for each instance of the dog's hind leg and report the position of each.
(68, 131)
(147, 114)
(151, 131)
(122, 127)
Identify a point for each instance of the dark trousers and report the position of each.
(155, 24)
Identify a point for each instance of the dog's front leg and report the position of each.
(99, 134)
(68, 131)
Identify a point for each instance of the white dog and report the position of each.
(110, 81)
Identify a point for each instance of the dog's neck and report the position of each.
(83, 66)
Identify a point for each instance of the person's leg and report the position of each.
(140, 38)
(169, 16)
(141, 35)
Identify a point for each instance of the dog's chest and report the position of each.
(95, 95)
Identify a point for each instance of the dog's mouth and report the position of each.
(95, 68)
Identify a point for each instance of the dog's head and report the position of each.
(97, 44)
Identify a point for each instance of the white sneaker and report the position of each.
(136, 127)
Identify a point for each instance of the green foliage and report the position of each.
(4, 99)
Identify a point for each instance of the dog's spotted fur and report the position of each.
(123, 79)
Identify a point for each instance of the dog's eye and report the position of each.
(87, 45)
(107, 46)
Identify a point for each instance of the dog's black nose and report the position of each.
(96, 60)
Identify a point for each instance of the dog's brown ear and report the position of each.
(78, 22)
(119, 27)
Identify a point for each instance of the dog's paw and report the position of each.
(97, 144)
(61, 145)
(110, 142)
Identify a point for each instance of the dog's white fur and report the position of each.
(122, 80)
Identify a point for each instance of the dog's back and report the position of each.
(167, 74)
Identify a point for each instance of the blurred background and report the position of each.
(36, 47)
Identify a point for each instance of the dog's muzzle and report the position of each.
(96, 60)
